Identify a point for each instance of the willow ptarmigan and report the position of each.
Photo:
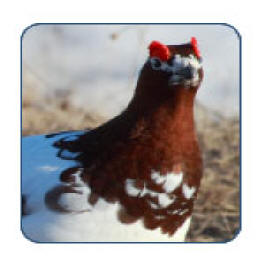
(135, 178)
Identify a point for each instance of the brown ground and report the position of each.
(216, 215)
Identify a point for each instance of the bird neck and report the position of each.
(170, 117)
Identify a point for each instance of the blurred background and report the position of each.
(78, 76)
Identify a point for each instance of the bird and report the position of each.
(134, 178)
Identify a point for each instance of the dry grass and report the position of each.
(216, 213)
(45, 115)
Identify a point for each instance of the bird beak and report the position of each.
(185, 73)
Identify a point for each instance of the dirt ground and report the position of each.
(216, 215)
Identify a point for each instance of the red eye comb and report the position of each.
(195, 48)
(159, 50)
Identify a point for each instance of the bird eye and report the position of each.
(156, 63)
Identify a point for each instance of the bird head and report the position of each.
(174, 66)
